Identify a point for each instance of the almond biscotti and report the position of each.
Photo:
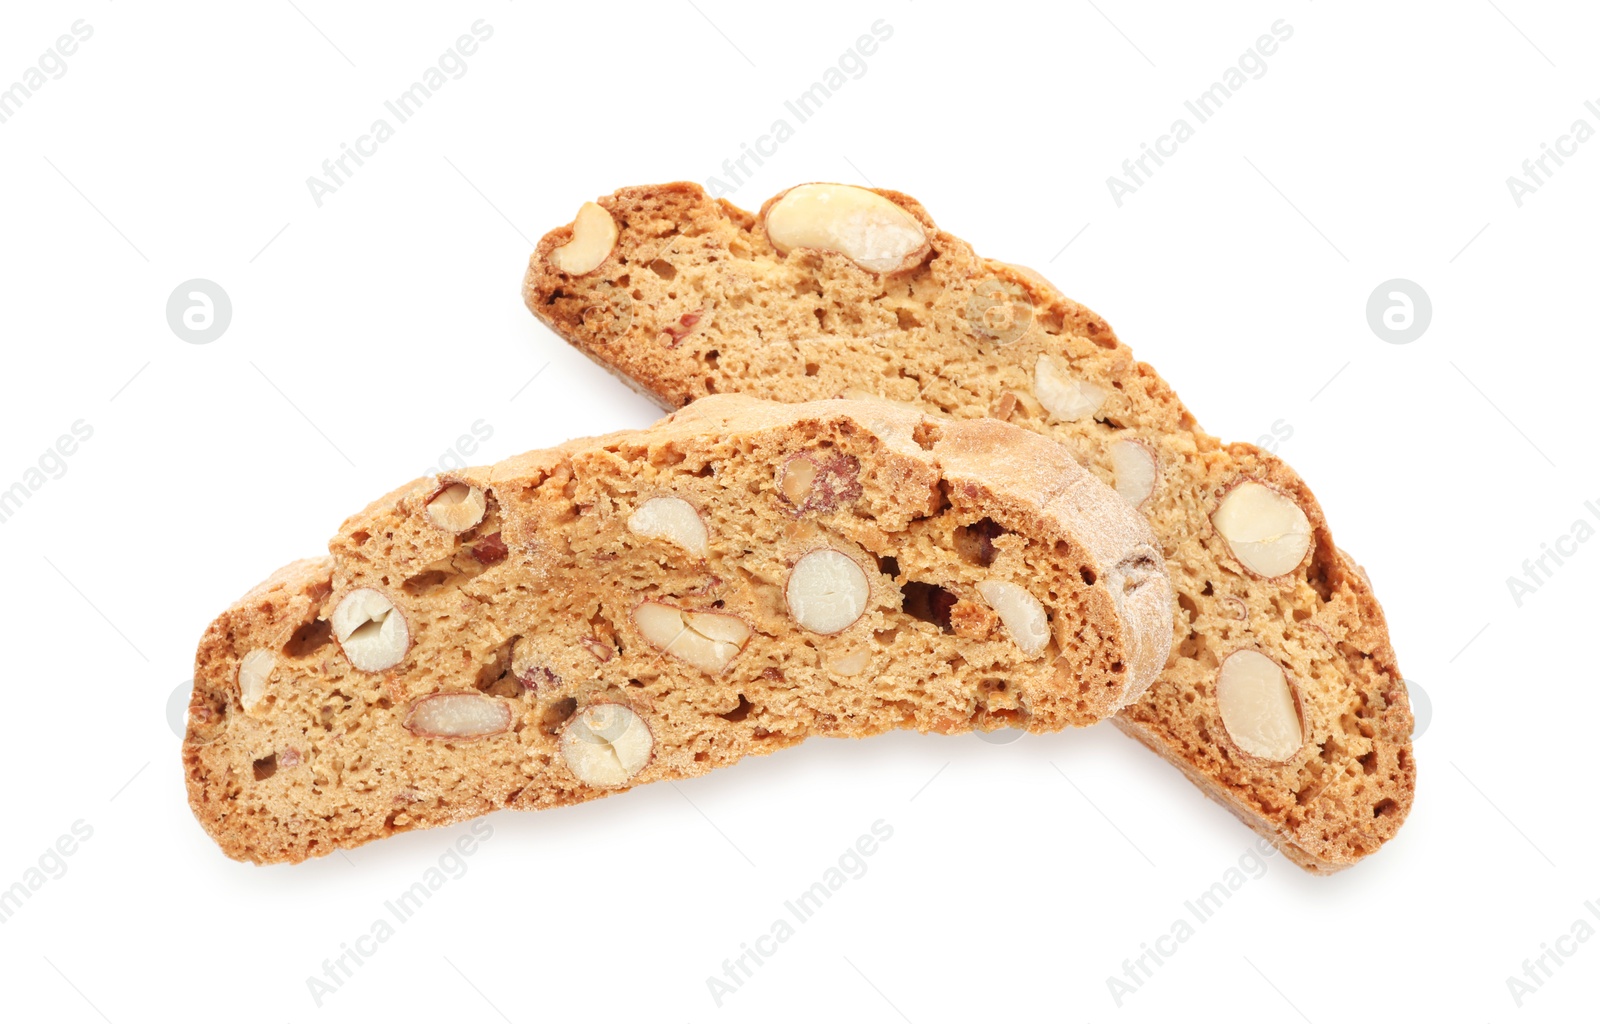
(651, 605)
(1282, 700)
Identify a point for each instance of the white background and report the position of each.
(371, 332)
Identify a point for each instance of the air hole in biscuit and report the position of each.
(1087, 574)
(665, 456)
(905, 319)
(889, 566)
(1318, 576)
(496, 677)
(360, 537)
(1384, 808)
(557, 713)
(711, 358)
(739, 713)
(423, 582)
(1187, 604)
(812, 369)
(309, 638)
(664, 270)
(975, 543)
(265, 767)
(928, 603)
(1369, 762)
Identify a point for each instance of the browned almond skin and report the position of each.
(959, 334)
(534, 609)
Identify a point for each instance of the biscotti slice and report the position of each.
(651, 605)
(1283, 700)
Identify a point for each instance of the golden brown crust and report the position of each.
(960, 335)
(531, 614)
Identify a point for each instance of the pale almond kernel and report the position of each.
(370, 630)
(827, 591)
(594, 235)
(458, 716)
(874, 233)
(673, 520)
(1266, 531)
(706, 640)
(1065, 397)
(605, 745)
(795, 477)
(1133, 467)
(1258, 706)
(255, 670)
(851, 663)
(458, 507)
(1020, 612)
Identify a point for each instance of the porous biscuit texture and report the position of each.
(694, 298)
(654, 604)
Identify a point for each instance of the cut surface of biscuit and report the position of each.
(695, 296)
(654, 604)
